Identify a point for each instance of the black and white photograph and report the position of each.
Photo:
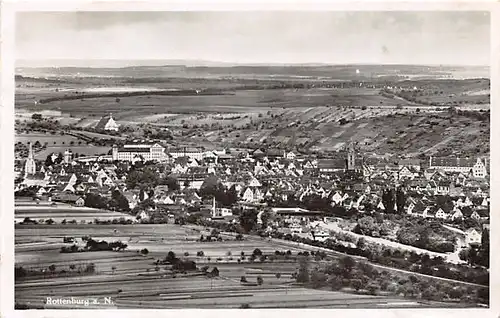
(252, 159)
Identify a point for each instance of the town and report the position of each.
(348, 201)
(251, 160)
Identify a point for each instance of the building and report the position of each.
(30, 165)
(68, 156)
(197, 153)
(466, 165)
(145, 151)
(107, 123)
(218, 213)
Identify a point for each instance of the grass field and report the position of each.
(63, 212)
(46, 138)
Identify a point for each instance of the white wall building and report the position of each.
(132, 152)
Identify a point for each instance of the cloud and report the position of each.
(332, 37)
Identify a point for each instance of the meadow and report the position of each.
(133, 280)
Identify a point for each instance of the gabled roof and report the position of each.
(332, 164)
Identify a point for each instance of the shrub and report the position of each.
(356, 284)
(260, 280)
(372, 289)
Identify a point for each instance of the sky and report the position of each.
(274, 37)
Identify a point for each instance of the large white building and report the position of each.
(195, 153)
(476, 166)
(134, 152)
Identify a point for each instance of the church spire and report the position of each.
(30, 167)
(30, 151)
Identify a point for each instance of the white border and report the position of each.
(8, 9)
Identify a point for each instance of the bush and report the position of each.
(257, 252)
(372, 289)
(356, 284)
(260, 280)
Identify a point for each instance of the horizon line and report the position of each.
(204, 63)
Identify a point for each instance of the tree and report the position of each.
(145, 178)
(278, 275)
(265, 216)
(366, 226)
(356, 284)
(144, 251)
(484, 253)
(48, 161)
(248, 220)
(119, 201)
(400, 200)
(37, 117)
(95, 201)
(52, 268)
(257, 252)
(361, 243)
(388, 200)
(113, 269)
(90, 268)
(170, 257)
(372, 288)
(243, 279)
(260, 281)
(347, 263)
(172, 183)
(303, 274)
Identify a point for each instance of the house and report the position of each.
(107, 123)
(405, 173)
(410, 163)
(320, 235)
(248, 195)
(457, 214)
(440, 214)
(143, 216)
(80, 202)
(296, 228)
(472, 236)
(290, 156)
(443, 187)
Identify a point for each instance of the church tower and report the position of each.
(30, 166)
(351, 157)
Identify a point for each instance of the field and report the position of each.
(63, 212)
(131, 280)
(80, 150)
(315, 108)
(46, 138)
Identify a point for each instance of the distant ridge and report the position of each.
(104, 63)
